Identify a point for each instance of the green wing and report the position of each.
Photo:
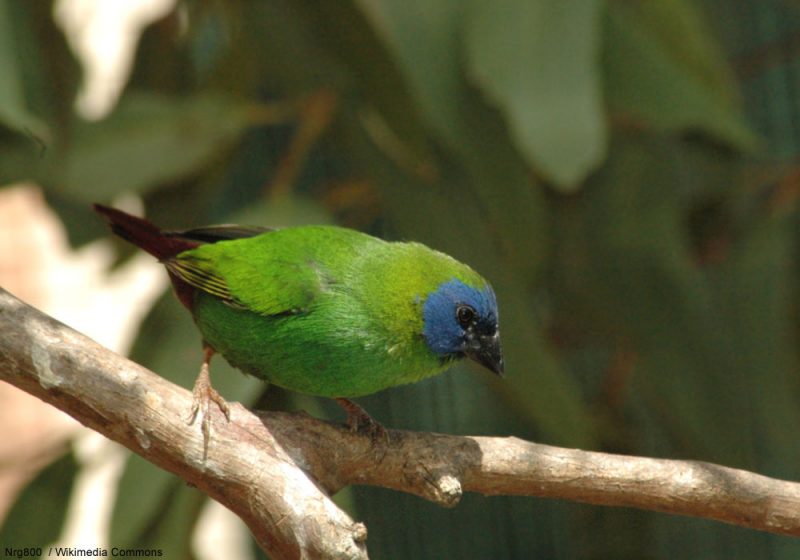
(253, 274)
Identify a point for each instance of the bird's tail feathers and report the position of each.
(144, 234)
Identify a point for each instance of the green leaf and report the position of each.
(143, 493)
(39, 80)
(342, 28)
(148, 141)
(21, 157)
(663, 71)
(36, 518)
(757, 291)
(538, 383)
(284, 211)
(154, 509)
(538, 61)
(423, 36)
(173, 526)
(52, 74)
(14, 112)
(710, 345)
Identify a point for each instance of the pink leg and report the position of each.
(203, 393)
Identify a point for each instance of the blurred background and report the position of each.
(624, 172)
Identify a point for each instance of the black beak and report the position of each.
(487, 351)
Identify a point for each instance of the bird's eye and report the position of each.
(465, 315)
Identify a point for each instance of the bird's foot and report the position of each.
(359, 421)
(203, 395)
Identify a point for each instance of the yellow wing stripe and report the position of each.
(202, 280)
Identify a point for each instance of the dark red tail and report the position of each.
(143, 234)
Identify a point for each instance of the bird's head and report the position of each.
(461, 320)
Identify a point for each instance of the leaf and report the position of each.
(174, 525)
(284, 211)
(21, 157)
(154, 509)
(711, 345)
(662, 71)
(81, 222)
(38, 515)
(756, 289)
(14, 112)
(143, 492)
(148, 141)
(423, 36)
(52, 74)
(343, 29)
(539, 62)
(38, 74)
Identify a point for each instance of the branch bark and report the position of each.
(277, 470)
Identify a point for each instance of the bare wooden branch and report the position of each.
(441, 467)
(276, 470)
(246, 468)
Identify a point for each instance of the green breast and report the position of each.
(331, 350)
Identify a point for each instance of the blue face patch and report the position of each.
(442, 331)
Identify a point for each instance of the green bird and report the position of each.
(322, 310)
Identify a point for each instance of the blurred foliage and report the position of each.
(623, 171)
(37, 516)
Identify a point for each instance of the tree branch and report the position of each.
(276, 470)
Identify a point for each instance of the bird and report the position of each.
(321, 310)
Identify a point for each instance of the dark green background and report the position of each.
(624, 172)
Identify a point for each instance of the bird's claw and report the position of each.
(375, 430)
(359, 421)
(202, 396)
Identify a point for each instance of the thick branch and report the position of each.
(274, 470)
(245, 469)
